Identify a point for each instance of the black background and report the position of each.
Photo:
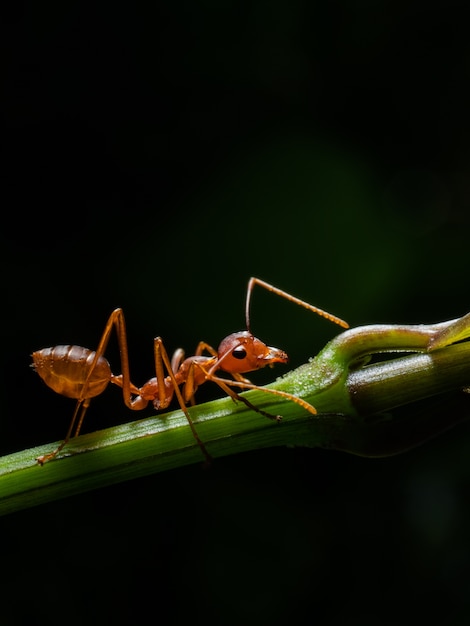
(156, 155)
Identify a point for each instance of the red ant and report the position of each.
(82, 374)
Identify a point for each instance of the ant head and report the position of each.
(242, 352)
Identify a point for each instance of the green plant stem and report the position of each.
(350, 396)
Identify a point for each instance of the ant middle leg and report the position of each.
(162, 361)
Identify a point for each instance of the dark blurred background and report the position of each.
(157, 155)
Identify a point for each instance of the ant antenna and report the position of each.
(257, 281)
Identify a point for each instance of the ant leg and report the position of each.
(201, 346)
(225, 384)
(276, 392)
(177, 359)
(257, 281)
(81, 404)
(129, 390)
(116, 321)
(162, 361)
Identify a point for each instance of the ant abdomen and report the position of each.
(66, 368)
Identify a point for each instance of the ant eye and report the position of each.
(239, 352)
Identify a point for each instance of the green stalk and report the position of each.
(350, 397)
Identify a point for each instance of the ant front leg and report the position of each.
(203, 346)
(226, 384)
(221, 382)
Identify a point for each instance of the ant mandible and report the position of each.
(82, 374)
